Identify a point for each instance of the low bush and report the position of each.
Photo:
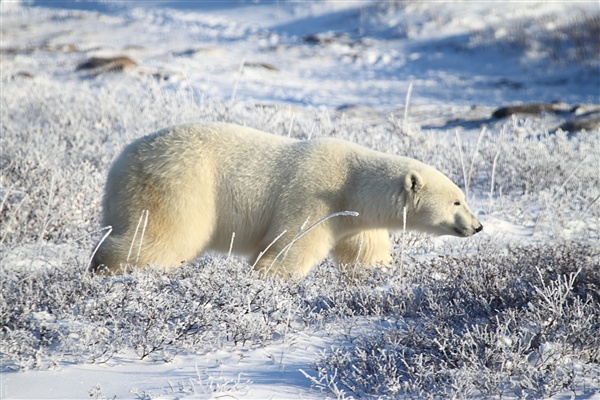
(522, 322)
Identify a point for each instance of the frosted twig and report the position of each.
(137, 228)
(285, 331)
(142, 237)
(291, 126)
(237, 80)
(267, 248)
(403, 243)
(462, 162)
(360, 246)
(109, 229)
(231, 245)
(47, 215)
(289, 246)
(408, 93)
(492, 181)
(475, 155)
(311, 131)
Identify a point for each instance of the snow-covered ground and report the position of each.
(261, 373)
(408, 77)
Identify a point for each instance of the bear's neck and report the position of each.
(377, 193)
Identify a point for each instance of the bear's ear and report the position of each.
(414, 181)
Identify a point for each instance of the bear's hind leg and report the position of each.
(176, 235)
(369, 248)
(110, 257)
(165, 236)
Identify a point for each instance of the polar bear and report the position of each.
(185, 190)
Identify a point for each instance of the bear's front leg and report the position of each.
(293, 258)
(368, 248)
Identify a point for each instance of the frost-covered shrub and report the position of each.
(559, 40)
(61, 313)
(560, 162)
(520, 322)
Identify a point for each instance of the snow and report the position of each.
(259, 52)
(370, 60)
(259, 373)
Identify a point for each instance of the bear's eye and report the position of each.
(457, 203)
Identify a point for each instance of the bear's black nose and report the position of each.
(479, 228)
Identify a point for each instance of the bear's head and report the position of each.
(436, 205)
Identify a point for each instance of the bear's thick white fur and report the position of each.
(203, 183)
